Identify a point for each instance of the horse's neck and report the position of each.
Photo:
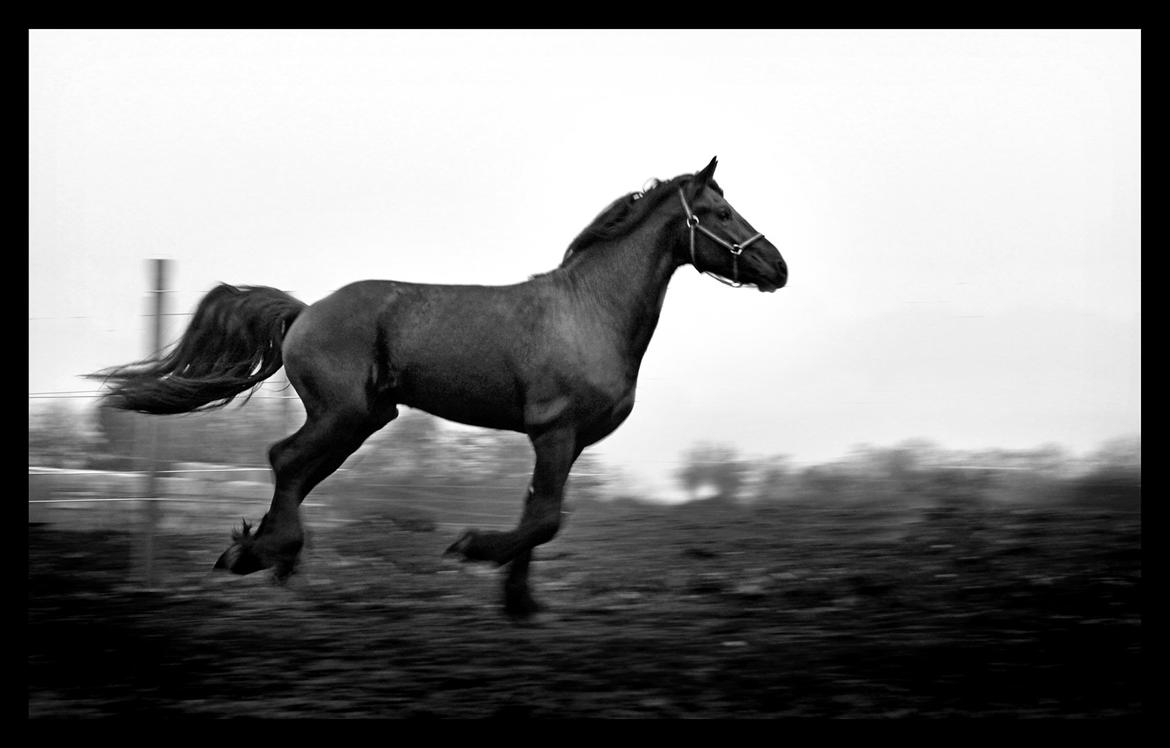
(625, 281)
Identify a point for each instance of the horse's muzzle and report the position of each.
(775, 283)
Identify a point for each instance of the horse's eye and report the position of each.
(723, 214)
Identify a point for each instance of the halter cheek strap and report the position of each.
(736, 249)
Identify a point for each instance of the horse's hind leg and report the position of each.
(299, 463)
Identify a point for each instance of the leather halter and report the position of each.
(735, 248)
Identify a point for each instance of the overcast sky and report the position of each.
(960, 210)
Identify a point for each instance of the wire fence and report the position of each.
(202, 498)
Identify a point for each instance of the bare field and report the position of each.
(705, 610)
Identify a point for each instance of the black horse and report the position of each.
(556, 358)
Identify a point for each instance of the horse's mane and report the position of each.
(626, 213)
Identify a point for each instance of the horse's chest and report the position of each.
(607, 414)
(622, 407)
(593, 410)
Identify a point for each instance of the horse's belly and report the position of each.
(465, 397)
(489, 416)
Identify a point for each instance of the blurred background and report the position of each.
(941, 412)
(960, 210)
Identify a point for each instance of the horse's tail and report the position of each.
(232, 344)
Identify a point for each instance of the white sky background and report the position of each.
(960, 210)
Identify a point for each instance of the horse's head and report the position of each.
(719, 242)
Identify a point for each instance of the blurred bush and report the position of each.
(60, 435)
(421, 460)
(920, 473)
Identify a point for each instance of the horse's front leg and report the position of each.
(518, 600)
(555, 453)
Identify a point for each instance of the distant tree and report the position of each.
(775, 479)
(714, 469)
(589, 479)
(827, 482)
(411, 446)
(59, 435)
(239, 434)
(116, 437)
(1115, 475)
(1123, 454)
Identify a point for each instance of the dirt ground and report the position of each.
(699, 611)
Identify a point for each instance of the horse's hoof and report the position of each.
(240, 560)
(521, 607)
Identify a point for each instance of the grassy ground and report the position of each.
(700, 611)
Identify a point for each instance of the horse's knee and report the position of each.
(544, 527)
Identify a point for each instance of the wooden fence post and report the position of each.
(153, 512)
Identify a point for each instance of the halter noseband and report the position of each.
(734, 248)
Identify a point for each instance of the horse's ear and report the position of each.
(709, 170)
(700, 180)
